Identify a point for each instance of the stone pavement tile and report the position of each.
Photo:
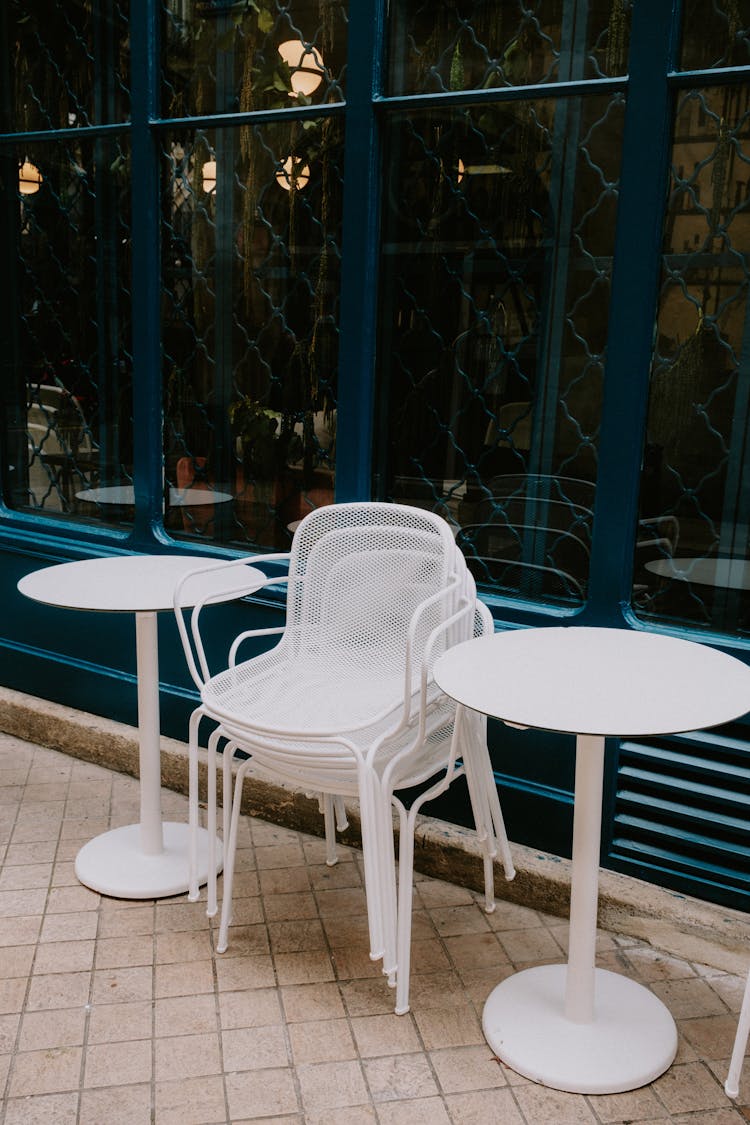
(462, 1069)
(385, 1035)
(127, 1063)
(15, 961)
(53, 1070)
(58, 990)
(331, 1085)
(113, 953)
(635, 1105)
(552, 1107)
(115, 1023)
(712, 1037)
(304, 967)
(185, 1015)
(249, 971)
(689, 999)
(257, 1007)
(254, 1048)
(116, 1105)
(261, 1093)
(110, 986)
(415, 1111)
(65, 956)
(689, 1087)
(192, 978)
(449, 1027)
(192, 1101)
(312, 1001)
(397, 1077)
(42, 1109)
(64, 1027)
(8, 1032)
(483, 1106)
(321, 1041)
(187, 1056)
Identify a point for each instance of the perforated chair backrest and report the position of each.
(357, 574)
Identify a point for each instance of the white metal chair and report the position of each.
(732, 1084)
(345, 703)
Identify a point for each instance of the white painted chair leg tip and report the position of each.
(489, 907)
(510, 876)
(377, 956)
(731, 1093)
(332, 862)
(193, 896)
(212, 913)
(402, 1011)
(221, 948)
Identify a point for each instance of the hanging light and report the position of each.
(293, 174)
(305, 64)
(209, 177)
(30, 179)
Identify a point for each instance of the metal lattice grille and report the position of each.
(477, 45)
(71, 63)
(715, 33)
(220, 56)
(498, 273)
(251, 289)
(69, 412)
(695, 571)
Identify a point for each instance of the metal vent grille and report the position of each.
(682, 808)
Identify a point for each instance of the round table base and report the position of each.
(631, 1040)
(115, 865)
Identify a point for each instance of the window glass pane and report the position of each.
(691, 559)
(476, 44)
(224, 57)
(68, 63)
(67, 319)
(715, 33)
(250, 335)
(496, 262)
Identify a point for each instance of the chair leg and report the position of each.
(369, 826)
(227, 761)
(732, 1084)
(407, 827)
(479, 775)
(386, 857)
(230, 849)
(213, 742)
(329, 821)
(193, 814)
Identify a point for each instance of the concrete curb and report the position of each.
(677, 924)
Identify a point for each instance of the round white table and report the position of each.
(576, 1027)
(149, 859)
(729, 573)
(178, 497)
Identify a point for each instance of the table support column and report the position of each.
(584, 892)
(149, 734)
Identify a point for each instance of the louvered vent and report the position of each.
(681, 814)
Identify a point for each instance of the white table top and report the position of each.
(178, 497)
(582, 680)
(729, 574)
(133, 583)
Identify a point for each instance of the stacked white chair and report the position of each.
(345, 704)
(732, 1084)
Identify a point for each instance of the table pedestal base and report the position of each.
(115, 865)
(630, 1042)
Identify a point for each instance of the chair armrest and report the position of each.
(219, 582)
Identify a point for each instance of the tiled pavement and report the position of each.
(114, 1012)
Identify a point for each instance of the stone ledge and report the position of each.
(677, 924)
